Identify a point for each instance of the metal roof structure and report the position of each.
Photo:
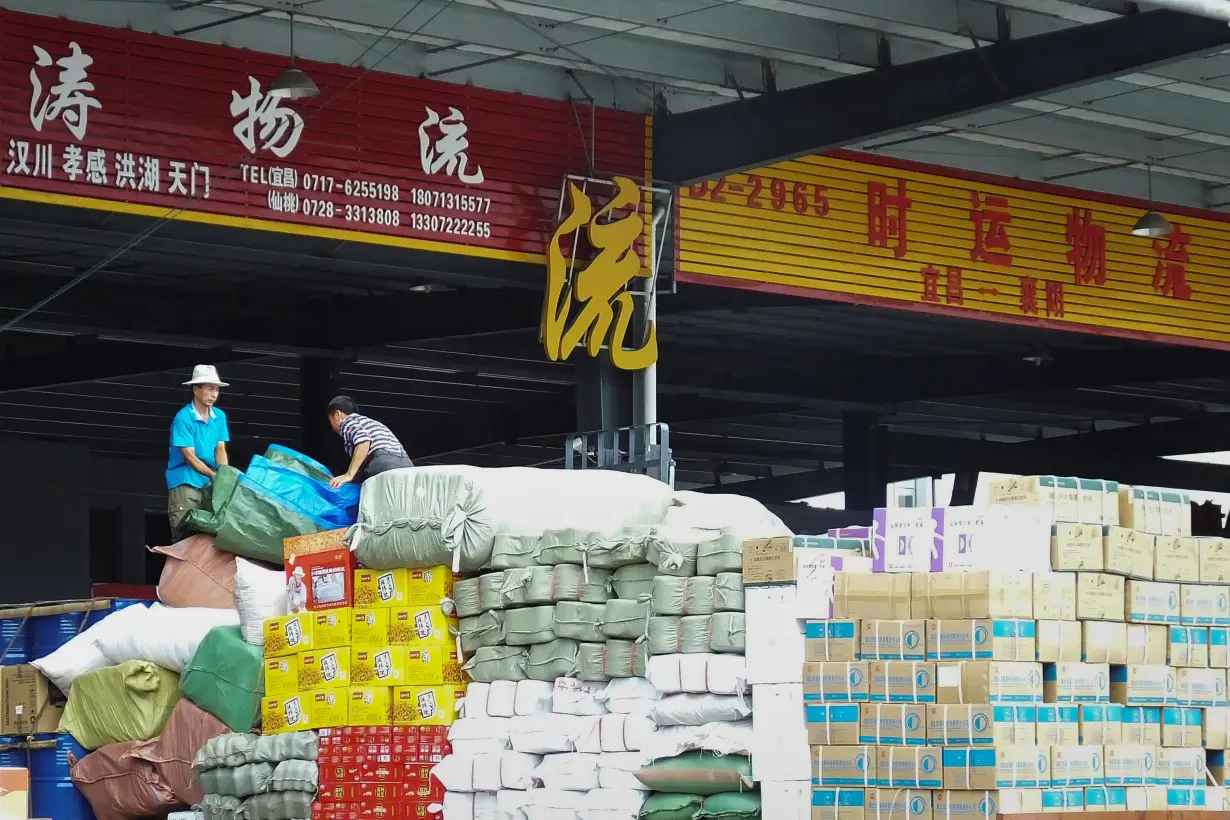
(755, 386)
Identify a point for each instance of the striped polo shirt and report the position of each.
(356, 429)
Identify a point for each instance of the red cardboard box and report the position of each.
(377, 810)
(328, 576)
(420, 785)
(365, 770)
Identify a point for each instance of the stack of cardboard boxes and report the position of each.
(376, 669)
(1099, 684)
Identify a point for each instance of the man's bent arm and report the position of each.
(195, 463)
(356, 461)
(220, 457)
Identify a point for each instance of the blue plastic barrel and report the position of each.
(15, 634)
(52, 793)
(14, 759)
(50, 632)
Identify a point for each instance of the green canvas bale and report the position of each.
(131, 701)
(226, 678)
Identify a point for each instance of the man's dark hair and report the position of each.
(345, 404)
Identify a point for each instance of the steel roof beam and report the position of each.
(99, 360)
(754, 132)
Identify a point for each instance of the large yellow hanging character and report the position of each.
(600, 287)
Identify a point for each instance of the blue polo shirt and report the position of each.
(188, 430)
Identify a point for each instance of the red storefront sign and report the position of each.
(106, 118)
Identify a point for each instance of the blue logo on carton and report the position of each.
(981, 723)
(1034, 677)
(1169, 683)
(861, 763)
(1148, 762)
(856, 677)
(980, 634)
(922, 679)
(1172, 600)
(1100, 680)
(1097, 762)
(986, 807)
(911, 639)
(912, 722)
(928, 764)
(1217, 687)
(918, 805)
(1221, 603)
(1042, 763)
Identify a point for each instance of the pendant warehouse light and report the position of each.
(293, 83)
(1152, 224)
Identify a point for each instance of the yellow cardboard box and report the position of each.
(370, 706)
(324, 669)
(975, 594)
(1203, 604)
(1146, 644)
(1104, 642)
(1151, 602)
(289, 635)
(425, 625)
(331, 629)
(988, 682)
(427, 705)
(378, 666)
(1077, 547)
(1076, 683)
(433, 666)
(1058, 641)
(431, 585)
(950, 724)
(1127, 552)
(1176, 558)
(369, 627)
(1214, 560)
(1055, 596)
(1099, 596)
(317, 709)
(281, 676)
(375, 588)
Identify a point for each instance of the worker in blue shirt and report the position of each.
(198, 446)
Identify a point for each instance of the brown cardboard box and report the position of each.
(1104, 642)
(1127, 552)
(1214, 560)
(1077, 547)
(1146, 644)
(911, 767)
(1140, 685)
(300, 545)
(1058, 725)
(1140, 508)
(1176, 558)
(973, 724)
(26, 698)
(899, 804)
(980, 805)
(1055, 596)
(1187, 646)
(1075, 765)
(831, 640)
(988, 682)
(1151, 602)
(843, 766)
(976, 594)
(1099, 597)
(893, 640)
(870, 596)
(902, 682)
(836, 803)
(833, 724)
(1058, 641)
(896, 724)
(1204, 604)
(1182, 726)
(974, 768)
(981, 639)
(768, 561)
(1076, 683)
(1219, 647)
(837, 682)
(1216, 727)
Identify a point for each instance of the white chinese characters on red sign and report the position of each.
(61, 91)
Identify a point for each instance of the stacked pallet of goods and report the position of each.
(1061, 649)
(600, 623)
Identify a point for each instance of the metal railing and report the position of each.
(643, 449)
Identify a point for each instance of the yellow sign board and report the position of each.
(873, 231)
(595, 308)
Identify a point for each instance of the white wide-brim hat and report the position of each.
(205, 374)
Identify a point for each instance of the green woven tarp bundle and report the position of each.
(226, 678)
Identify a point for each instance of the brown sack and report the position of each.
(196, 574)
(120, 786)
(172, 753)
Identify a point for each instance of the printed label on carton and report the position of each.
(1025, 767)
(902, 682)
(1214, 560)
(1205, 605)
(1152, 602)
(1058, 725)
(1142, 684)
(1077, 547)
(1129, 764)
(832, 640)
(1059, 800)
(975, 805)
(833, 724)
(837, 804)
(1187, 646)
(1099, 596)
(843, 765)
(837, 682)
(1176, 558)
(1100, 724)
(1054, 596)
(888, 724)
(1103, 798)
(907, 539)
(1076, 682)
(1178, 767)
(1219, 647)
(916, 767)
(1076, 765)
(894, 640)
(1156, 798)
(899, 804)
(1142, 725)
(1200, 687)
(1127, 552)
(981, 639)
(981, 725)
(1182, 726)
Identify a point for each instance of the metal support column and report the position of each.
(864, 461)
(317, 385)
(604, 394)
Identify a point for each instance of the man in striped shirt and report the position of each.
(372, 447)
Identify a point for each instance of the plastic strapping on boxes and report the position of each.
(879, 708)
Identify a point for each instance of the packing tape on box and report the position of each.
(987, 814)
(893, 801)
(939, 635)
